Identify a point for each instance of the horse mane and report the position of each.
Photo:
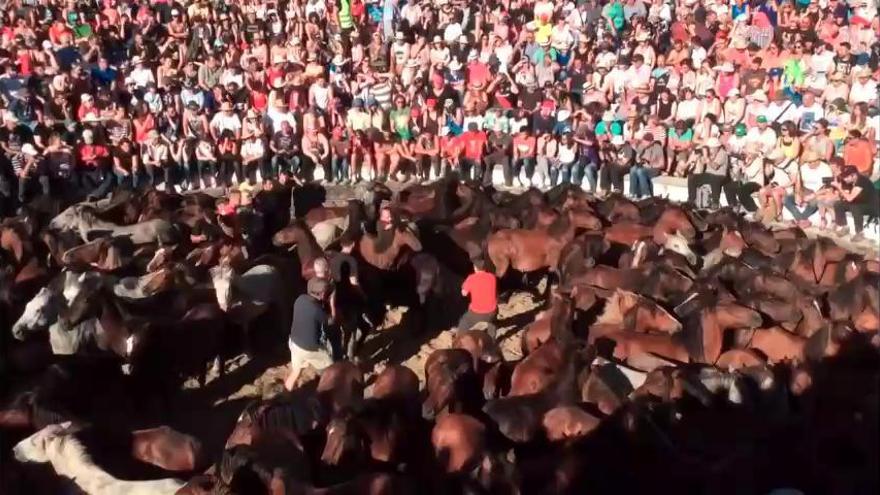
(384, 238)
(560, 226)
(611, 313)
(691, 335)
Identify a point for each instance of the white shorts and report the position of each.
(300, 358)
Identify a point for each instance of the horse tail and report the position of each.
(499, 249)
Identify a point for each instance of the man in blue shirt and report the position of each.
(307, 331)
(103, 75)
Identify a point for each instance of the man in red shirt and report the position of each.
(93, 167)
(474, 143)
(482, 288)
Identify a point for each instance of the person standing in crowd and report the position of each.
(482, 289)
(308, 337)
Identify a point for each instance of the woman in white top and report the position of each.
(156, 155)
(688, 107)
(567, 157)
(548, 150)
(253, 154)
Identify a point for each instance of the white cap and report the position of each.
(617, 140)
(28, 149)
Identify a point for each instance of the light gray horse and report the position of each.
(81, 218)
(43, 310)
(248, 295)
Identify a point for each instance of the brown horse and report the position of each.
(630, 312)
(538, 370)
(673, 220)
(298, 236)
(632, 344)
(530, 250)
(341, 386)
(382, 251)
(554, 321)
(395, 382)
(481, 346)
(459, 442)
(450, 382)
(167, 449)
(565, 422)
(104, 255)
(704, 330)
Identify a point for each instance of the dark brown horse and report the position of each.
(298, 236)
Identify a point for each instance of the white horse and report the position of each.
(249, 295)
(57, 445)
(81, 218)
(329, 230)
(42, 311)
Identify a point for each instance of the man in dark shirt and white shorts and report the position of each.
(307, 337)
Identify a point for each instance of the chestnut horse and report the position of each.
(530, 250)
(298, 236)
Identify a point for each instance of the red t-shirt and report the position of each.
(473, 142)
(481, 287)
(91, 154)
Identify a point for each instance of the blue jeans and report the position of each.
(524, 164)
(339, 166)
(591, 172)
(289, 163)
(126, 181)
(565, 169)
(796, 212)
(640, 184)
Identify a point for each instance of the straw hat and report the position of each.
(759, 95)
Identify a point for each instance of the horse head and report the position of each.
(222, 277)
(678, 243)
(343, 436)
(39, 313)
(39, 447)
(407, 235)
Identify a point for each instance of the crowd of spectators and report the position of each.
(773, 103)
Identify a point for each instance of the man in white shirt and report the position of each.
(864, 88)
(225, 120)
(782, 110)
(279, 113)
(761, 139)
(141, 74)
(639, 74)
(810, 112)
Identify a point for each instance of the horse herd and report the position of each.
(672, 349)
